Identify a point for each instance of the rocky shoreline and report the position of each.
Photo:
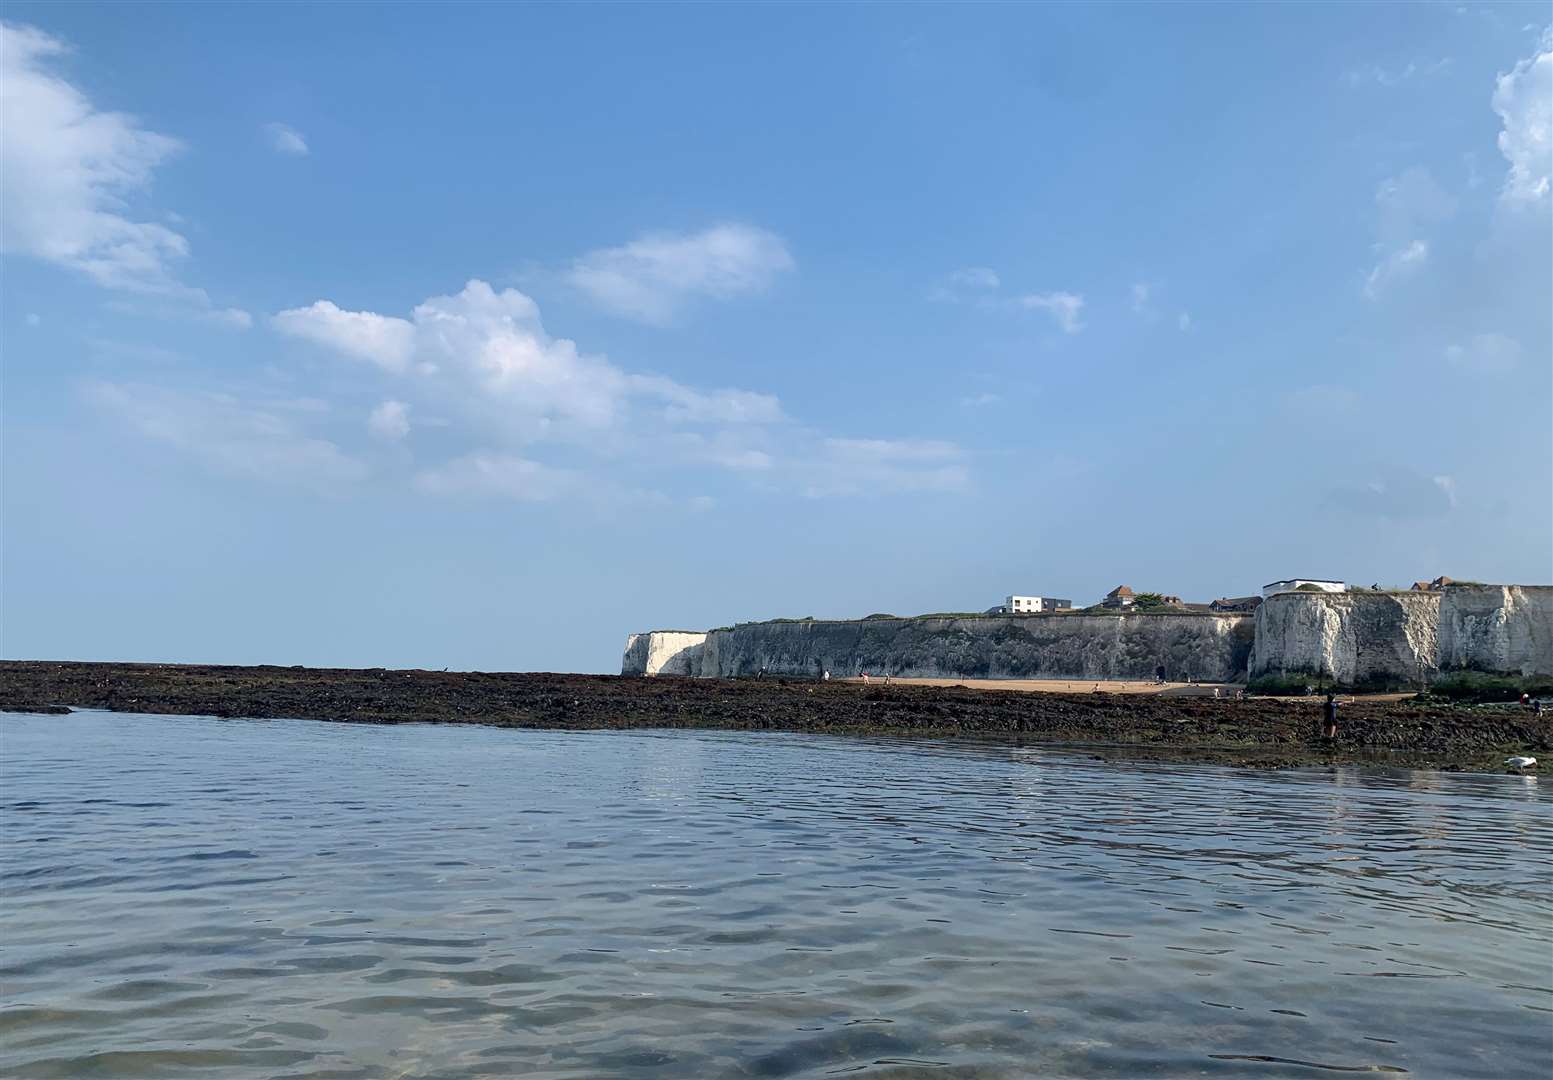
(1256, 732)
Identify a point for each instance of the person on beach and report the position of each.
(1159, 675)
(1329, 717)
(865, 678)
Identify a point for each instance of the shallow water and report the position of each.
(199, 898)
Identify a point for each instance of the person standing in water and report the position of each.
(1329, 718)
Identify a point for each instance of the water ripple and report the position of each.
(309, 901)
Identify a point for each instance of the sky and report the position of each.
(482, 336)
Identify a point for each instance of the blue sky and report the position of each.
(482, 336)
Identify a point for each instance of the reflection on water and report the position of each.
(199, 898)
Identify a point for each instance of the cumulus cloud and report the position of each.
(284, 139)
(365, 335)
(1485, 354)
(483, 358)
(653, 277)
(390, 421)
(1065, 308)
(230, 436)
(1523, 98)
(486, 352)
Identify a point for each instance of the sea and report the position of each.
(187, 896)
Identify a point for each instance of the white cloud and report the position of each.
(68, 169)
(885, 467)
(1485, 354)
(975, 277)
(1523, 98)
(487, 354)
(230, 436)
(973, 401)
(1446, 484)
(33, 319)
(233, 317)
(390, 421)
(1395, 264)
(504, 475)
(1140, 296)
(654, 276)
(1407, 206)
(1184, 321)
(284, 139)
(1065, 308)
(1395, 76)
(483, 359)
(381, 339)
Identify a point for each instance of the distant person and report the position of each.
(1329, 717)
(865, 678)
(1159, 675)
(1525, 701)
(825, 675)
(1536, 706)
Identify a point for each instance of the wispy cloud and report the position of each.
(886, 466)
(285, 139)
(67, 167)
(652, 278)
(70, 168)
(231, 436)
(1395, 264)
(1382, 75)
(1486, 354)
(1065, 308)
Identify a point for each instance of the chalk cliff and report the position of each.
(1406, 639)
(1352, 638)
(1197, 646)
(1500, 628)
(1402, 639)
(663, 652)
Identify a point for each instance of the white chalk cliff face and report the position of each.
(1406, 638)
(1358, 638)
(1503, 628)
(1352, 638)
(663, 652)
(1207, 647)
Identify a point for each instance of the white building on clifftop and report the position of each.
(1031, 605)
(1301, 584)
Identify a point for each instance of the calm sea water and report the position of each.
(188, 897)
